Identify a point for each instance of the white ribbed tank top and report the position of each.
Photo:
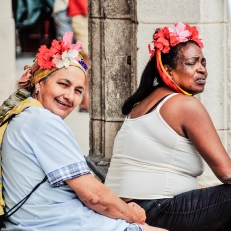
(151, 161)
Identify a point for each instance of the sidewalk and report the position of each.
(78, 122)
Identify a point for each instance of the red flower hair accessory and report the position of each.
(61, 53)
(168, 37)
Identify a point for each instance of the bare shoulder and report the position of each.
(184, 104)
(182, 112)
(185, 99)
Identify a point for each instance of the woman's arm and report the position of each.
(199, 128)
(99, 198)
(150, 228)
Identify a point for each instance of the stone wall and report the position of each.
(119, 33)
(112, 39)
(7, 48)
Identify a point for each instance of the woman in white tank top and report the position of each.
(158, 152)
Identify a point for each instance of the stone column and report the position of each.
(120, 29)
(112, 41)
(7, 48)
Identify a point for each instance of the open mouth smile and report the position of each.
(60, 102)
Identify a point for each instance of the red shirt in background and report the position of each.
(76, 7)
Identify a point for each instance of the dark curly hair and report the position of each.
(150, 72)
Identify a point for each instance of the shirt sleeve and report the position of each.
(57, 152)
(133, 227)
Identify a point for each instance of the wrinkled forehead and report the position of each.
(41, 74)
(190, 50)
(72, 75)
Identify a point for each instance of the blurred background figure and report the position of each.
(34, 23)
(77, 10)
(62, 21)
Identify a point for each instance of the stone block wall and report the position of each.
(7, 48)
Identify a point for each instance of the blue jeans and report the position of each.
(207, 209)
(62, 23)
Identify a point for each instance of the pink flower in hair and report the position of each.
(67, 38)
(180, 33)
(78, 46)
(168, 37)
(61, 53)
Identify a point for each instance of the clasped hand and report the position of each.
(138, 212)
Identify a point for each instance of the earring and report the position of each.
(155, 82)
(36, 91)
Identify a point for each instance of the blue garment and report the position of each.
(62, 23)
(38, 143)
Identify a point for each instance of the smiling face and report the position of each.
(190, 72)
(62, 91)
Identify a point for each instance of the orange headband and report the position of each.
(165, 76)
(164, 39)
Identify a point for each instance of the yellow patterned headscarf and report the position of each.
(61, 54)
(35, 74)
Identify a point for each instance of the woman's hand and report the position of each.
(138, 213)
(150, 228)
(101, 199)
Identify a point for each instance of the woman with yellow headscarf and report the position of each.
(38, 145)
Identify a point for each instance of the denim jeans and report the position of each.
(207, 209)
(62, 23)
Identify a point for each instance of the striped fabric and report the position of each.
(133, 227)
(59, 176)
